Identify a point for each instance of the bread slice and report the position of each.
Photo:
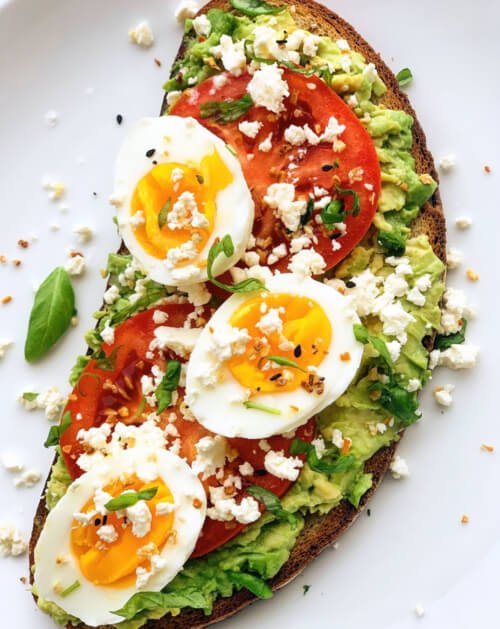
(319, 532)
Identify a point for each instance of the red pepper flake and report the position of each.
(465, 519)
(487, 448)
(17, 262)
(24, 244)
(158, 62)
(3, 259)
(7, 299)
(345, 357)
(487, 169)
(197, 503)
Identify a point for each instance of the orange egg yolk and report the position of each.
(114, 564)
(305, 337)
(157, 193)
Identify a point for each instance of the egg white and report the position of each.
(186, 142)
(91, 603)
(220, 408)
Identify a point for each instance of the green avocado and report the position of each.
(265, 546)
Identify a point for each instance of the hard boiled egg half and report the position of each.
(267, 361)
(177, 189)
(91, 559)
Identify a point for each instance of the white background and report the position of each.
(73, 56)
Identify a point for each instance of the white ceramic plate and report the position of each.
(74, 57)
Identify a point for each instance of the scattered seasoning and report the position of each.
(200, 179)
(7, 299)
(97, 521)
(197, 503)
(105, 520)
(345, 357)
(472, 275)
(94, 194)
(150, 152)
(119, 118)
(3, 259)
(306, 589)
(17, 262)
(350, 284)
(158, 62)
(487, 448)
(275, 377)
(368, 512)
(23, 580)
(327, 167)
(260, 472)
(487, 169)
(465, 519)
(24, 244)
(297, 352)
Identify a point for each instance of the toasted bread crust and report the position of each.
(319, 531)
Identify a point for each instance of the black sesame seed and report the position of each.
(327, 167)
(350, 284)
(258, 388)
(260, 472)
(155, 162)
(119, 118)
(200, 179)
(105, 520)
(97, 521)
(150, 153)
(368, 512)
(297, 352)
(275, 377)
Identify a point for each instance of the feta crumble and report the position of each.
(268, 89)
(443, 396)
(279, 465)
(399, 467)
(142, 35)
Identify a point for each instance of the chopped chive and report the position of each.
(261, 407)
(282, 361)
(70, 589)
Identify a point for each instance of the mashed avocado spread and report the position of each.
(381, 401)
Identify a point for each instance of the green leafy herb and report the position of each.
(51, 314)
(130, 498)
(363, 336)
(272, 504)
(340, 464)
(253, 584)
(397, 401)
(356, 204)
(261, 407)
(29, 396)
(444, 342)
(306, 217)
(145, 601)
(393, 242)
(70, 589)
(404, 77)
(306, 589)
(107, 362)
(253, 8)
(231, 150)
(56, 432)
(168, 385)
(225, 246)
(224, 111)
(162, 216)
(281, 360)
(335, 212)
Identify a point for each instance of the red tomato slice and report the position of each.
(311, 102)
(112, 393)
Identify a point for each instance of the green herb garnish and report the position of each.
(70, 589)
(335, 212)
(306, 589)
(281, 360)
(29, 396)
(445, 341)
(107, 362)
(225, 246)
(393, 242)
(306, 217)
(253, 584)
(130, 498)
(224, 111)
(261, 407)
(272, 504)
(56, 432)
(162, 216)
(144, 601)
(168, 385)
(51, 314)
(404, 77)
(340, 464)
(256, 7)
(363, 336)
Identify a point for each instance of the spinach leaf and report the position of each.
(272, 504)
(168, 385)
(253, 8)
(404, 77)
(56, 432)
(224, 111)
(51, 314)
(130, 498)
(393, 242)
(397, 401)
(253, 584)
(161, 600)
(340, 464)
(362, 335)
(445, 341)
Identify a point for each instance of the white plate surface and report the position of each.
(74, 57)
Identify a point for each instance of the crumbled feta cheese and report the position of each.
(337, 438)
(11, 542)
(423, 283)
(250, 129)
(268, 89)
(447, 163)
(226, 509)
(300, 135)
(246, 469)
(306, 263)
(76, 265)
(143, 576)
(463, 222)
(55, 189)
(185, 214)
(28, 478)
(173, 97)
(219, 80)
(11, 462)
(265, 45)
(395, 320)
(142, 35)
(179, 340)
(279, 465)
(232, 54)
(202, 26)
(300, 242)
(83, 232)
(251, 258)
(140, 517)
(264, 445)
(319, 446)
(454, 258)
(185, 10)
(414, 296)
(394, 348)
(51, 118)
(266, 145)
(301, 39)
(107, 533)
(443, 396)
(332, 132)
(414, 384)
(160, 317)
(370, 72)
(280, 197)
(271, 322)
(51, 401)
(399, 467)
(4, 345)
(419, 610)
(111, 295)
(198, 294)
(108, 334)
(455, 309)
(459, 356)
(211, 454)
(164, 508)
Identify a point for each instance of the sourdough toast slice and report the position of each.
(319, 531)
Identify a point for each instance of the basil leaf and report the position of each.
(56, 432)
(51, 314)
(306, 217)
(253, 584)
(107, 362)
(162, 216)
(272, 504)
(356, 204)
(397, 401)
(281, 360)
(261, 407)
(256, 7)
(393, 242)
(340, 464)
(29, 396)
(225, 246)
(333, 213)
(404, 77)
(70, 589)
(224, 111)
(168, 385)
(445, 341)
(143, 601)
(130, 498)
(362, 335)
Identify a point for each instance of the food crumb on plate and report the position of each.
(419, 610)
(142, 35)
(487, 448)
